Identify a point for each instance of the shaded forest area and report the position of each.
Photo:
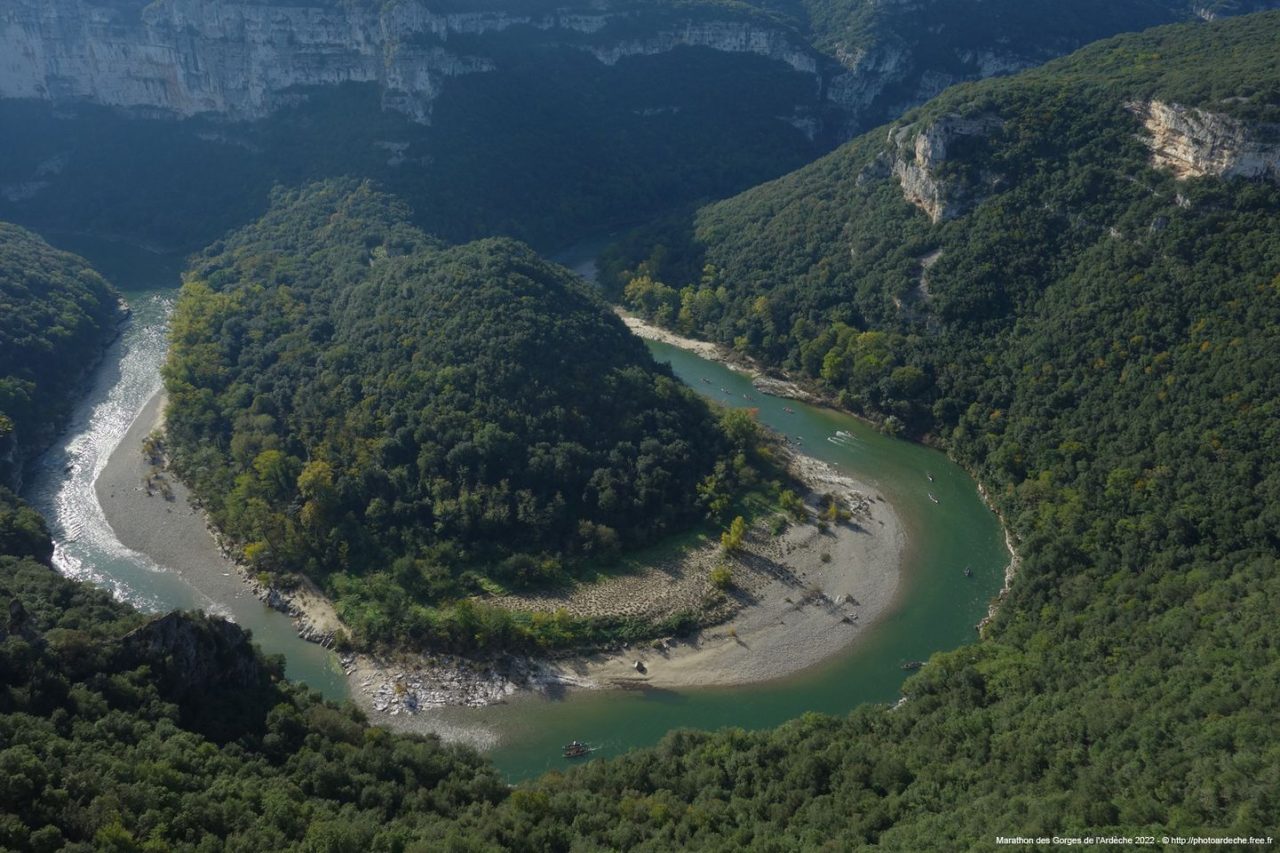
(56, 315)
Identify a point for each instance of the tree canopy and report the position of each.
(402, 420)
(1096, 340)
(119, 732)
(122, 732)
(56, 314)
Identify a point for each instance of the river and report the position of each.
(937, 606)
(61, 487)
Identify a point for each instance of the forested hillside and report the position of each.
(122, 733)
(56, 315)
(1097, 340)
(412, 424)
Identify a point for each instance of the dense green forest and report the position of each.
(56, 314)
(123, 734)
(1097, 341)
(831, 273)
(412, 424)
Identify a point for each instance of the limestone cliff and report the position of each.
(918, 157)
(727, 36)
(243, 59)
(886, 79)
(1193, 142)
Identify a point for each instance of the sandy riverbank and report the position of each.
(796, 598)
(779, 386)
(763, 381)
(151, 512)
(164, 527)
(802, 597)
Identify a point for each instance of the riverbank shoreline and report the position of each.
(797, 599)
(1010, 570)
(802, 599)
(766, 381)
(778, 384)
(20, 461)
(152, 512)
(806, 595)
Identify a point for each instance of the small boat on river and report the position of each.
(913, 664)
(788, 410)
(576, 749)
(934, 498)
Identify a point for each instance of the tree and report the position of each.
(731, 539)
(721, 576)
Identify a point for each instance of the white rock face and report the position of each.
(1193, 143)
(242, 60)
(727, 36)
(919, 154)
(867, 73)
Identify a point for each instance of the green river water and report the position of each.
(937, 606)
(936, 609)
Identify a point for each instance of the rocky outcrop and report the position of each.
(918, 155)
(193, 655)
(1193, 143)
(725, 36)
(886, 79)
(914, 305)
(208, 668)
(20, 624)
(866, 74)
(244, 59)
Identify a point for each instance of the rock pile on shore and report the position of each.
(423, 683)
(786, 388)
(437, 683)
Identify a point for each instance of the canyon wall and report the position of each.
(243, 59)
